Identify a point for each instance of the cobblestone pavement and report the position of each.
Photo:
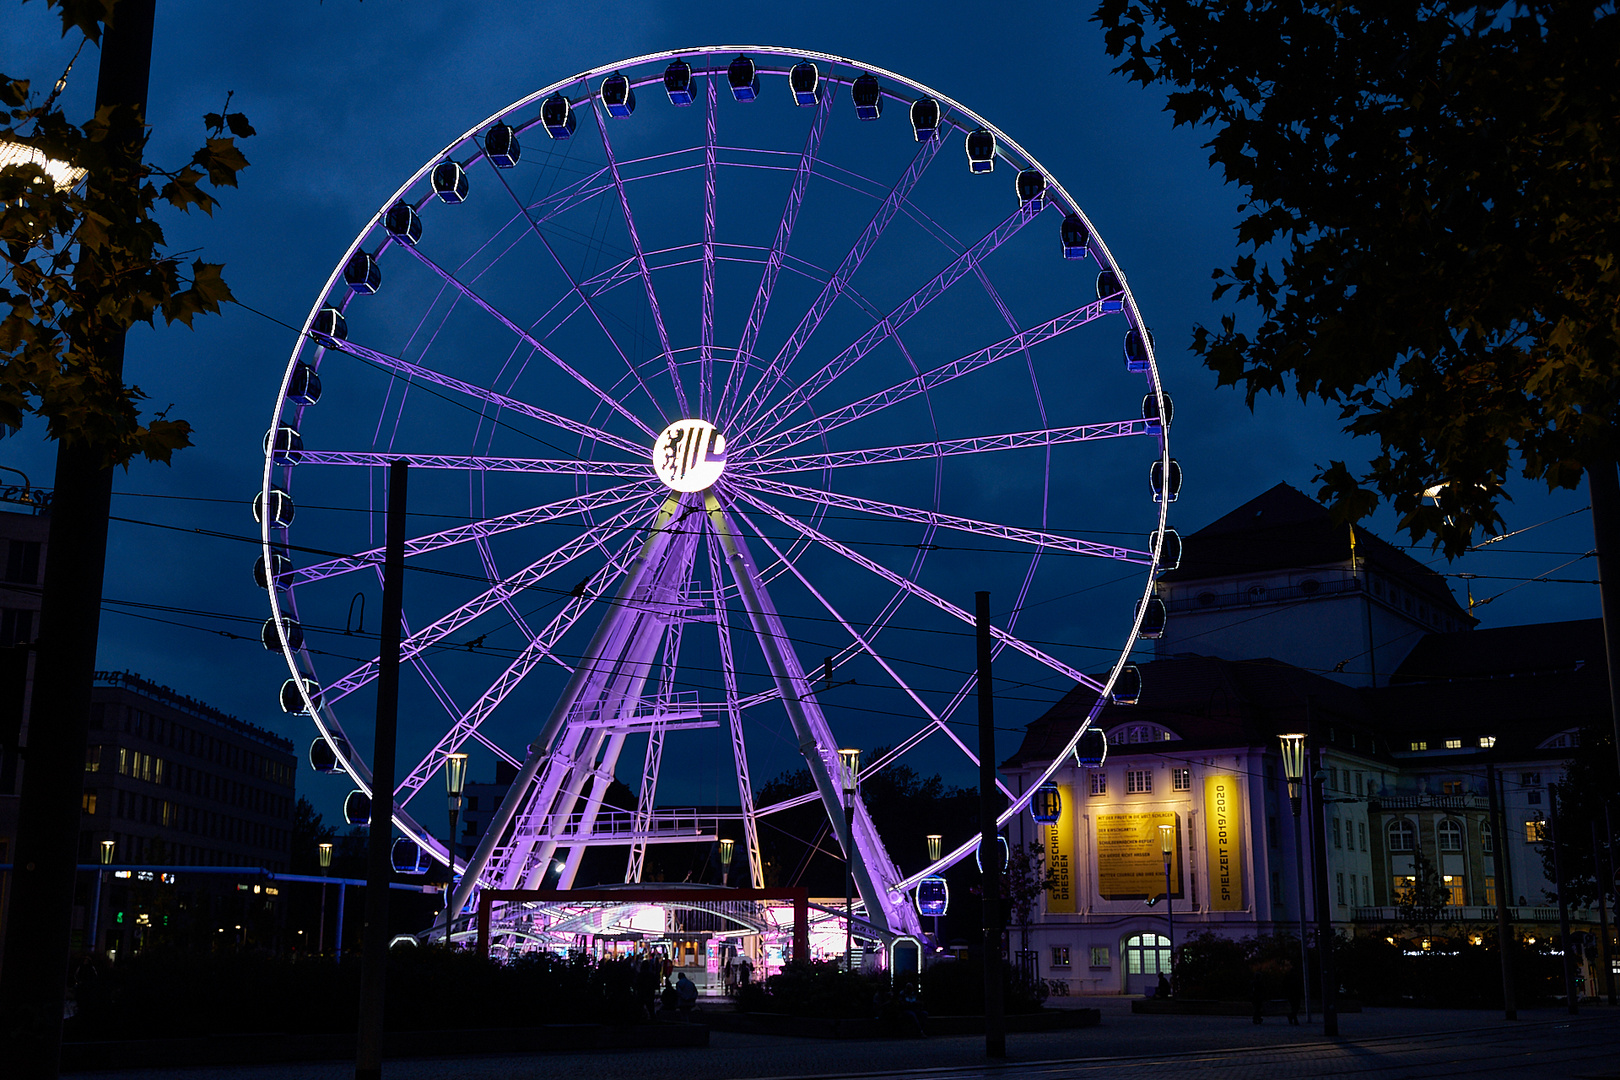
(1379, 1044)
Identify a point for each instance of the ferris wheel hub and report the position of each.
(689, 455)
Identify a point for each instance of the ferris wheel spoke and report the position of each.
(522, 408)
(494, 597)
(641, 258)
(529, 339)
(927, 451)
(779, 246)
(969, 261)
(928, 380)
(777, 370)
(911, 587)
(625, 470)
(573, 506)
(894, 512)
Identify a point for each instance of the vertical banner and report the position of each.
(1060, 837)
(1223, 824)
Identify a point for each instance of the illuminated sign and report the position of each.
(1060, 899)
(1223, 840)
(1130, 860)
(689, 455)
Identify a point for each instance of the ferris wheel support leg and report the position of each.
(657, 540)
(815, 738)
(601, 776)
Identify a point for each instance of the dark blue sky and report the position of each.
(350, 98)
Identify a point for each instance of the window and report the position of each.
(1535, 832)
(1490, 892)
(1355, 789)
(1276, 888)
(1453, 744)
(1139, 782)
(1487, 837)
(1451, 787)
(92, 759)
(1419, 744)
(1060, 956)
(16, 626)
(1099, 783)
(1336, 841)
(1487, 741)
(1181, 779)
(22, 562)
(1271, 830)
(1333, 780)
(1361, 829)
(1099, 956)
(1340, 881)
(1533, 797)
(1454, 890)
(1147, 954)
(1353, 901)
(1530, 779)
(1451, 835)
(87, 802)
(1372, 788)
(1366, 888)
(1402, 836)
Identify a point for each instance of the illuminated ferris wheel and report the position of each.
(726, 376)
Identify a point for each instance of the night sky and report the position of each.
(349, 99)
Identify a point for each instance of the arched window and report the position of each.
(1487, 837)
(1147, 954)
(1402, 837)
(1451, 835)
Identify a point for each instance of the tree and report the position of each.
(1429, 213)
(1587, 801)
(1026, 880)
(1423, 896)
(308, 833)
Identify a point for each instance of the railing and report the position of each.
(192, 707)
(1462, 913)
(1465, 801)
(619, 826)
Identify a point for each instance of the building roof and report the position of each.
(1285, 529)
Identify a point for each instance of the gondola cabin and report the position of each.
(323, 758)
(744, 79)
(1150, 412)
(1136, 353)
(925, 119)
(362, 274)
(618, 96)
(1046, 805)
(279, 565)
(450, 182)
(284, 445)
(292, 701)
(403, 224)
(408, 857)
(357, 808)
(1154, 616)
(1127, 691)
(1092, 749)
(281, 509)
(304, 385)
(1076, 237)
(868, 97)
(678, 82)
(1165, 488)
(328, 327)
(557, 116)
(271, 640)
(933, 896)
(1170, 552)
(501, 144)
(1031, 188)
(805, 82)
(981, 150)
(1108, 285)
(1001, 845)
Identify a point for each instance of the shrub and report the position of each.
(818, 988)
(956, 988)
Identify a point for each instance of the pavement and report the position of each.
(1377, 1044)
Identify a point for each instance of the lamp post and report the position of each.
(95, 901)
(849, 771)
(455, 782)
(726, 849)
(935, 843)
(1293, 755)
(326, 864)
(1167, 844)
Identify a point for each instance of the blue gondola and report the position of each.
(279, 565)
(1170, 553)
(744, 79)
(284, 445)
(304, 387)
(1136, 357)
(1092, 749)
(618, 96)
(557, 116)
(1046, 805)
(502, 146)
(323, 758)
(1127, 690)
(328, 328)
(1031, 188)
(362, 274)
(924, 119)
(292, 701)
(1165, 491)
(1006, 854)
(450, 182)
(981, 150)
(281, 508)
(678, 82)
(408, 857)
(403, 223)
(805, 81)
(868, 96)
(1108, 284)
(1075, 237)
(289, 629)
(1150, 413)
(357, 808)
(1154, 616)
(933, 896)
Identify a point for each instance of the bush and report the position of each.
(956, 988)
(818, 988)
(1452, 972)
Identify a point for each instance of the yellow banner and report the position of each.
(1130, 855)
(1060, 856)
(1223, 818)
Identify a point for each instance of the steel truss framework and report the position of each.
(663, 568)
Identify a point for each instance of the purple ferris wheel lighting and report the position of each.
(719, 419)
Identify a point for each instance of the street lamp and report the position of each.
(1167, 844)
(1293, 755)
(107, 847)
(726, 849)
(849, 771)
(455, 782)
(326, 863)
(935, 843)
